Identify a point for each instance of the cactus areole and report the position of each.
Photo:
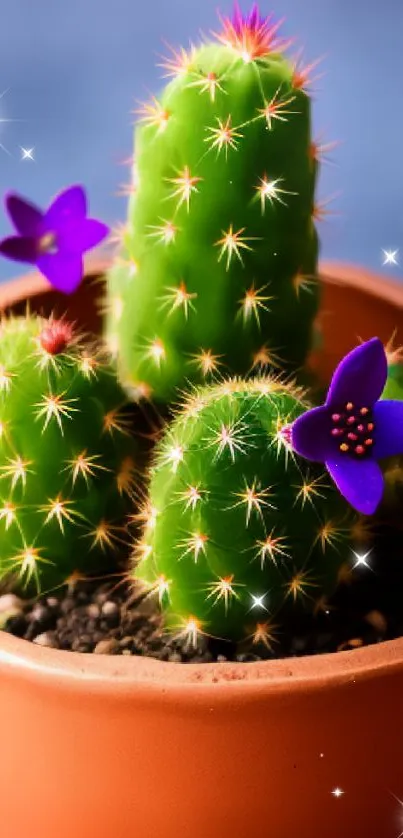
(217, 268)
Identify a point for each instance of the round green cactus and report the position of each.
(218, 262)
(237, 528)
(67, 463)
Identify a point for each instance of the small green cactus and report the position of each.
(217, 269)
(67, 463)
(236, 527)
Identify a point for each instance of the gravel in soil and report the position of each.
(106, 616)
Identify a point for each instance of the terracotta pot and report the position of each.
(112, 747)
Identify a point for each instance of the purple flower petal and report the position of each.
(359, 481)
(26, 217)
(70, 204)
(360, 377)
(311, 435)
(237, 18)
(19, 249)
(63, 270)
(388, 434)
(79, 236)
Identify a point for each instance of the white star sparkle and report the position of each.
(27, 153)
(390, 257)
(337, 792)
(361, 560)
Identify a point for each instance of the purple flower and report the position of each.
(353, 429)
(54, 240)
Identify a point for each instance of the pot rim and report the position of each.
(119, 675)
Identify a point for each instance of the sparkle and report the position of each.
(156, 352)
(258, 602)
(8, 514)
(125, 480)
(231, 244)
(253, 500)
(337, 792)
(252, 302)
(59, 509)
(55, 407)
(225, 136)
(27, 153)
(361, 560)
(207, 362)
(178, 297)
(180, 63)
(276, 108)
(309, 490)
(173, 455)
(191, 497)
(270, 191)
(165, 232)
(390, 257)
(17, 470)
(153, 114)
(231, 437)
(195, 545)
(209, 83)
(84, 466)
(298, 585)
(5, 379)
(186, 185)
(274, 547)
(223, 590)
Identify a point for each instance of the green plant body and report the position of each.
(217, 267)
(237, 529)
(67, 463)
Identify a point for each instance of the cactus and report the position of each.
(67, 464)
(217, 268)
(236, 528)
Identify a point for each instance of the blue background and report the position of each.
(75, 70)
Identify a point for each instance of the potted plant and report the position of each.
(191, 722)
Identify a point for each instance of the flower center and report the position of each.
(353, 428)
(47, 243)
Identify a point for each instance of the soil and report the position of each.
(106, 616)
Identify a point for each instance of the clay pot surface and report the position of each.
(93, 746)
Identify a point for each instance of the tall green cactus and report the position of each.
(67, 464)
(237, 528)
(218, 262)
